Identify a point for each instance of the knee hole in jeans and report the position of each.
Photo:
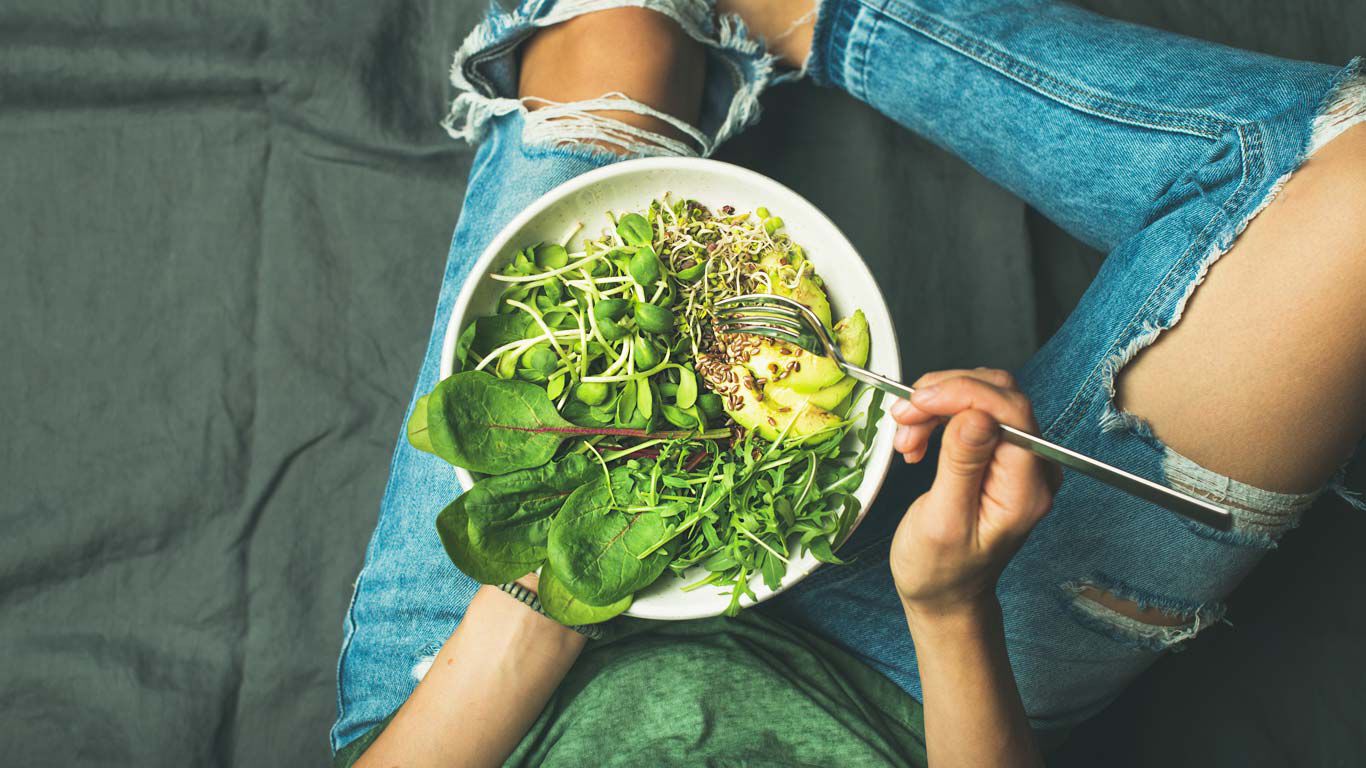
(1137, 619)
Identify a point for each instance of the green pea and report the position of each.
(647, 354)
(645, 267)
(652, 318)
(773, 224)
(551, 256)
(711, 404)
(762, 211)
(591, 392)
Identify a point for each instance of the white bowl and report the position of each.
(630, 186)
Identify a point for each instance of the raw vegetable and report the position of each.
(621, 437)
(561, 605)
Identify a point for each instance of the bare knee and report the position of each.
(640, 54)
(1262, 378)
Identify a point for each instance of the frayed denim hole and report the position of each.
(1260, 517)
(1342, 107)
(426, 656)
(581, 124)
(482, 74)
(1132, 632)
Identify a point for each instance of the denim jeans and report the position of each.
(1154, 147)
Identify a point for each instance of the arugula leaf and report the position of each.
(561, 605)
(595, 547)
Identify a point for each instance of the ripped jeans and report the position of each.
(1156, 148)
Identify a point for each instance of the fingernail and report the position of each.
(925, 395)
(901, 409)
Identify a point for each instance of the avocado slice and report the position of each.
(851, 334)
(773, 361)
(825, 398)
(782, 274)
(769, 417)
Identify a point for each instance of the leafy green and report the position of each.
(485, 425)
(599, 539)
(561, 605)
(485, 567)
(635, 230)
(512, 512)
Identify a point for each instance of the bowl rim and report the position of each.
(888, 360)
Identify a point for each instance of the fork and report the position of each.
(784, 319)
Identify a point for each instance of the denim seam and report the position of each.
(860, 58)
(1051, 86)
(846, 16)
(1250, 140)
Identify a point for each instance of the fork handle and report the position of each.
(1190, 507)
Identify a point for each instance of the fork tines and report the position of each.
(777, 317)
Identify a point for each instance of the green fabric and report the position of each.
(750, 691)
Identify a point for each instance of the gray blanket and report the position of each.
(221, 230)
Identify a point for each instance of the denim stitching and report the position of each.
(1048, 85)
(1250, 140)
(859, 90)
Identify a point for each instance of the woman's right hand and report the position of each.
(956, 539)
(948, 554)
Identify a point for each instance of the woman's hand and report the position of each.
(948, 553)
(957, 538)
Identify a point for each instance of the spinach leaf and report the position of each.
(417, 426)
(561, 605)
(485, 567)
(496, 426)
(509, 515)
(486, 425)
(595, 545)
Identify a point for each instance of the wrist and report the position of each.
(523, 624)
(928, 620)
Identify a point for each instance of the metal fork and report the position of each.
(783, 319)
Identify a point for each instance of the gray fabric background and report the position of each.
(221, 227)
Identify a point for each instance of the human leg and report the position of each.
(408, 596)
(1160, 149)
